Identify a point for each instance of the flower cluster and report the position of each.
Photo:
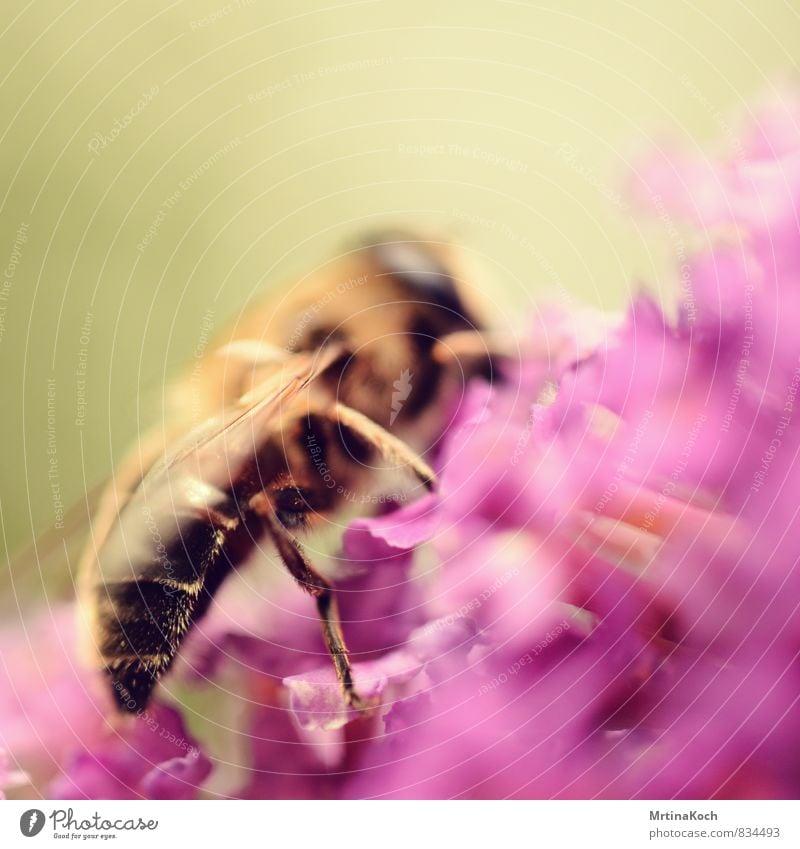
(600, 601)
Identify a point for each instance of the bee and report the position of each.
(306, 401)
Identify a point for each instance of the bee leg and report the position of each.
(313, 583)
(392, 449)
(475, 353)
(473, 345)
(334, 641)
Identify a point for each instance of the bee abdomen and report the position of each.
(133, 679)
(143, 616)
(141, 623)
(142, 620)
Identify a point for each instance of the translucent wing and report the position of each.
(196, 475)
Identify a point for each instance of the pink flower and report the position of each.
(49, 704)
(153, 758)
(56, 721)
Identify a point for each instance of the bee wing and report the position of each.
(216, 451)
(197, 476)
(193, 477)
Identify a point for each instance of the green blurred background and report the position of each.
(162, 163)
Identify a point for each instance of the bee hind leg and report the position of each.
(313, 583)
